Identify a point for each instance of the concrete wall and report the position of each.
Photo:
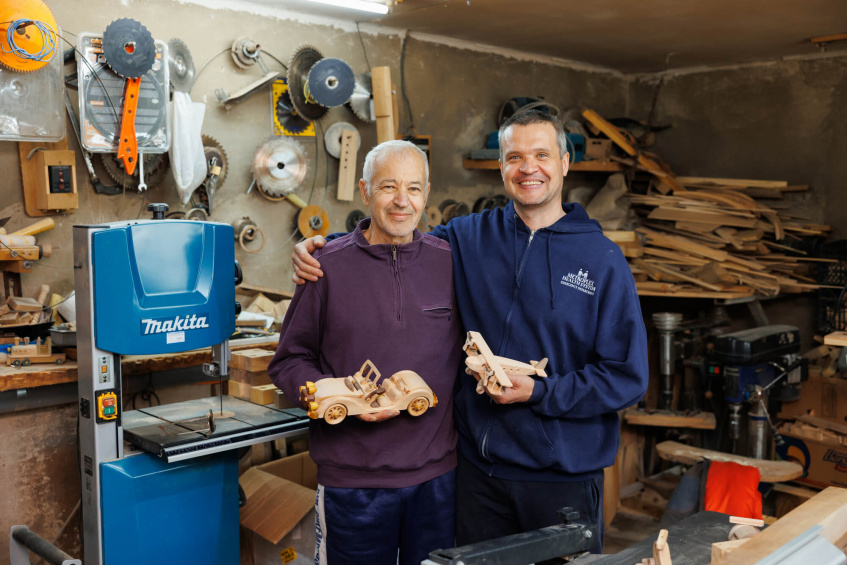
(455, 94)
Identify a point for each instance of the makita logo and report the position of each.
(176, 324)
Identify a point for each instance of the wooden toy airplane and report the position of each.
(495, 369)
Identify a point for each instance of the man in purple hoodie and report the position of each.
(386, 481)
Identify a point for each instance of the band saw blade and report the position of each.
(331, 82)
(361, 101)
(181, 65)
(332, 138)
(129, 48)
(301, 63)
(279, 166)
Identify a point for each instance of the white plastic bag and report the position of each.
(188, 160)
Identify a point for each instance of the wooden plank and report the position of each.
(675, 256)
(347, 165)
(682, 276)
(771, 471)
(272, 293)
(741, 183)
(383, 104)
(691, 293)
(836, 338)
(682, 215)
(828, 38)
(623, 236)
(794, 490)
(827, 509)
(252, 360)
(669, 419)
(683, 244)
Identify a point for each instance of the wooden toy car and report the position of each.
(333, 399)
(495, 370)
(23, 355)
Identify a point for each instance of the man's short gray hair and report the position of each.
(533, 116)
(389, 149)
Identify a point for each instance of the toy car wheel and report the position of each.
(59, 361)
(16, 363)
(335, 414)
(25, 362)
(418, 406)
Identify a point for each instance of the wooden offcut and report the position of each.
(253, 360)
(771, 471)
(347, 165)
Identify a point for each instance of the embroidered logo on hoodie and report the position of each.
(579, 281)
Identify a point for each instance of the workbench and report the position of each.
(15, 378)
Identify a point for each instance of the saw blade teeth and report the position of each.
(143, 55)
(279, 166)
(210, 142)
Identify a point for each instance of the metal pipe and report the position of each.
(667, 323)
(22, 540)
(757, 430)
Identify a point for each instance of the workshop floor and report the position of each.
(627, 529)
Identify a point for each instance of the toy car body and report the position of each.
(495, 370)
(333, 399)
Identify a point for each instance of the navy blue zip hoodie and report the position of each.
(564, 292)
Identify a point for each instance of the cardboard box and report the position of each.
(280, 511)
(822, 453)
(598, 149)
(822, 397)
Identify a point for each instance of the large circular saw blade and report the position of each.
(181, 65)
(155, 167)
(280, 166)
(287, 117)
(298, 75)
(31, 41)
(332, 138)
(361, 102)
(129, 48)
(331, 82)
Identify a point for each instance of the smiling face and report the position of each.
(533, 170)
(396, 199)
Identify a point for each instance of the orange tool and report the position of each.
(128, 146)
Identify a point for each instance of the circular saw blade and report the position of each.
(313, 220)
(287, 116)
(155, 167)
(280, 166)
(181, 65)
(332, 138)
(331, 82)
(214, 150)
(129, 48)
(361, 101)
(301, 63)
(29, 41)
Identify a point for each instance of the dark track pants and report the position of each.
(369, 525)
(488, 507)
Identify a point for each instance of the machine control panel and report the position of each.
(104, 375)
(107, 406)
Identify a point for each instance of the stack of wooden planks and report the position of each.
(712, 239)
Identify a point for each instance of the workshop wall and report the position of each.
(455, 94)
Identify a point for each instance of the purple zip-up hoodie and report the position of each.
(394, 305)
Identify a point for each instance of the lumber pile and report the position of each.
(703, 237)
(248, 370)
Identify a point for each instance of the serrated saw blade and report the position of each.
(181, 65)
(287, 116)
(331, 82)
(361, 102)
(332, 138)
(301, 63)
(129, 48)
(280, 166)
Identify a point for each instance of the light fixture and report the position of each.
(363, 5)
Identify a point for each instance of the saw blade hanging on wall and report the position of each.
(332, 138)
(285, 119)
(317, 83)
(279, 166)
(361, 102)
(129, 48)
(181, 65)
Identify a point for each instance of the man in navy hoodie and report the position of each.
(538, 279)
(386, 481)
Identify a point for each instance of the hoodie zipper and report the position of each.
(397, 282)
(483, 445)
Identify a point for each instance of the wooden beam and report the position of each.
(771, 471)
(669, 419)
(741, 183)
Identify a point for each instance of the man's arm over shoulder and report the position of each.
(297, 358)
(617, 377)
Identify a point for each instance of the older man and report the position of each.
(539, 279)
(386, 481)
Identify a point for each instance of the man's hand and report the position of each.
(378, 416)
(306, 267)
(520, 391)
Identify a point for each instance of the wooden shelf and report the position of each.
(583, 166)
(668, 419)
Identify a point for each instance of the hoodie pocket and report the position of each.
(594, 497)
(518, 437)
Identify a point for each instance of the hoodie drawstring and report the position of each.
(550, 272)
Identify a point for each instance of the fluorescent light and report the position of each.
(363, 5)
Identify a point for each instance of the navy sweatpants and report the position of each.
(488, 507)
(370, 525)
